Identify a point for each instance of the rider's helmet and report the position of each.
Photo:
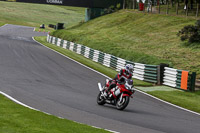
(130, 82)
(129, 68)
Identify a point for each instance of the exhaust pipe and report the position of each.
(100, 87)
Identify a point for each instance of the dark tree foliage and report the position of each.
(190, 33)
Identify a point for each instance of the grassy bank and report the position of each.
(189, 100)
(18, 119)
(139, 37)
(36, 14)
(1, 24)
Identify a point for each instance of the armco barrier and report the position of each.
(143, 72)
(179, 79)
(151, 73)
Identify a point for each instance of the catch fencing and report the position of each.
(149, 73)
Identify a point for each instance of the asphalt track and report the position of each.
(45, 80)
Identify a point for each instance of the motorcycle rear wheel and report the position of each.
(100, 99)
(122, 105)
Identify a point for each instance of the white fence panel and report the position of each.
(64, 44)
(87, 52)
(96, 55)
(140, 66)
(106, 61)
(71, 47)
(54, 40)
(58, 42)
(120, 64)
(78, 49)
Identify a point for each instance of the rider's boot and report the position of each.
(110, 97)
(105, 92)
(133, 91)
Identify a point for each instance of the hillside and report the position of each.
(144, 38)
(37, 14)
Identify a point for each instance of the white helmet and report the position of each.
(129, 68)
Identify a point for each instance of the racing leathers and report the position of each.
(123, 73)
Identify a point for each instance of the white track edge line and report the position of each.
(110, 78)
(16, 101)
(82, 65)
(20, 103)
(3, 25)
(100, 74)
(169, 103)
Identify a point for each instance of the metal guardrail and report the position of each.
(158, 74)
(179, 79)
(143, 72)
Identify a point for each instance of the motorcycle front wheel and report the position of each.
(123, 103)
(100, 99)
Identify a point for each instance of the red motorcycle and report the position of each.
(118, 96)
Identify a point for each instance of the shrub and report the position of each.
(190, 33)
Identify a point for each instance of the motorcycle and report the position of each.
(118, 96)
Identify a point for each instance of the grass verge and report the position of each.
(1, 24)
(138, 37)
(188, 100)
(18, 119)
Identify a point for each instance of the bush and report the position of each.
(190, 33)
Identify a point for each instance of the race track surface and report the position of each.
(47, 81)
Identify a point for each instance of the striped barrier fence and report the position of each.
(141, 71)
(151, 73)
(179, 79)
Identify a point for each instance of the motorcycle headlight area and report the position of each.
(129, 87)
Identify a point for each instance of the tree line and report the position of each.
(166, 6)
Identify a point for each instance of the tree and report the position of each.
(190, 33)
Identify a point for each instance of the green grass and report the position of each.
(144, 38)
(18, 119)
(141, 37)
(1, 24)
(96, 66)
(188, 100)
(156, 88)
(37, 14)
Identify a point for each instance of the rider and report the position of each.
(126, 72)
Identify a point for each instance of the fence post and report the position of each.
(187, 9)
(197, 12)
(193, 81)
(158, 75)
(161, 72)
(177, 6)
(144, 8)
(124, 3)
(167, 12)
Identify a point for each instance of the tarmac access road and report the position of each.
(48, 81)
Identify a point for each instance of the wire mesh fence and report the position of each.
(171, 7)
